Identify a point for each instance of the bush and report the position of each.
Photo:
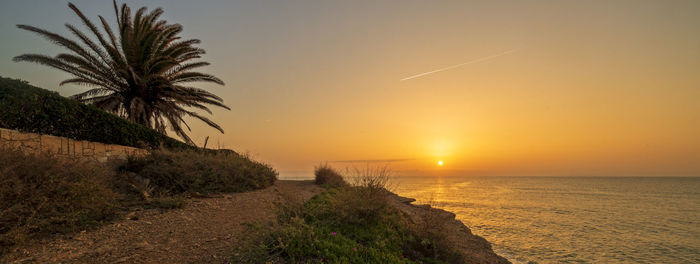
(374, 179)
(30, 109)
(369, 183)
(176, 172)
(41, 194)
(325, 175)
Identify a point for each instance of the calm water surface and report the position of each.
(573, 219)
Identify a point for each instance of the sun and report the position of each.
(440, 163)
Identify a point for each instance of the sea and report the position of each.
(572, 219)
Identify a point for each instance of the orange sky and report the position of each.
(603, 88)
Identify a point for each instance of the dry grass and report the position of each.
(377, 178)
(325, 175)
(365, 199)
(42, 194)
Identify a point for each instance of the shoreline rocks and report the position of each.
(474, 248)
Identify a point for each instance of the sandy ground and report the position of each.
(206, 230)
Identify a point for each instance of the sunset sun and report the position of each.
(440, 163)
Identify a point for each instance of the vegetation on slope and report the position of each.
(30, 109)
(41, 194)
(348, 224)
(176, 172)
(327, 176)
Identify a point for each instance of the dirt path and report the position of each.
(206, 230)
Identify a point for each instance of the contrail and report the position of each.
(461, 64)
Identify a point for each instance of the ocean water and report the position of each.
(572, 219)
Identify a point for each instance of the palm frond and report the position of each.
(136, 70)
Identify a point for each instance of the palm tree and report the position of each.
(142, 73)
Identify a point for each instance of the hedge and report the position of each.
(26, 108)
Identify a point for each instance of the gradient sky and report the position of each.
(601, 88)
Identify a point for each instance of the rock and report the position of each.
(474, 248)
(143, 245)
(423, 206)
(405, 200)
(132, 216)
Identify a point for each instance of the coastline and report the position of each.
(172, 236)
(475, 249)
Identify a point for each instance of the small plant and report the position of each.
(325, 175)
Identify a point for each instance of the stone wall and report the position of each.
(65, 147)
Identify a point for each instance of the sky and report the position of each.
(552, 88)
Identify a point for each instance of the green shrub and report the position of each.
(320, 236)
(41, 194)
(175, 172)
(349, 224)
(30, 109)
(325, 175)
